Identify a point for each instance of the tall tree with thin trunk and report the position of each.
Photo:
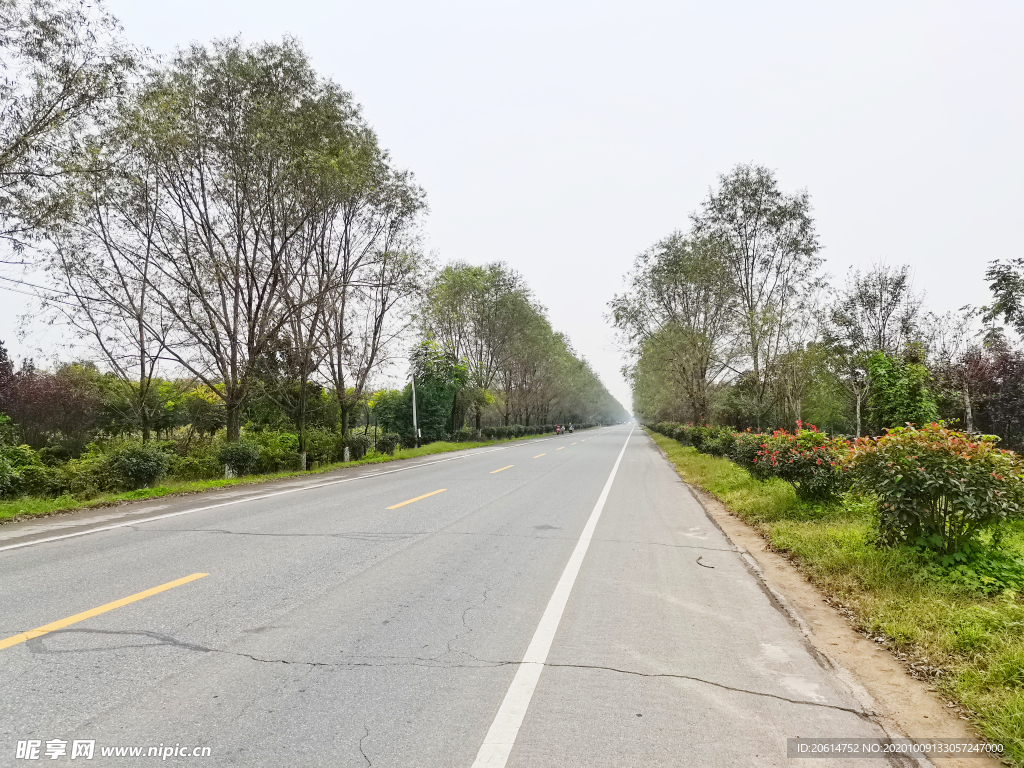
(770, 250)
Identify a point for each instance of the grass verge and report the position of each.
(970, 645)
(35, 507)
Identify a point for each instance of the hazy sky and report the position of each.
(564, 138)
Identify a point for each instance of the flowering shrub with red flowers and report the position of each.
(938, 488)
(745, 447)
(811, 461)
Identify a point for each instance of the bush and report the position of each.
(10, 480)
(358, 444)
(324, 446)
(196, 467)
(278, 450)
(745, 447)
(718, 441)
(938, 488)
(387, 443)
(683, 433)
(809, 460)
(137, 466)
(462, 435)
(241, 457)
(84, 477)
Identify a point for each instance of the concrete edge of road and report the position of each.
(73, 523)
(902, 705)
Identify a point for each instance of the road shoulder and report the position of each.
(904, 706)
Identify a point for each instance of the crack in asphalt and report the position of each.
(36, 646)
(465, 627)
(363, 751)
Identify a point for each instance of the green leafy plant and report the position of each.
(811, 461)
(938, 488)
(745, 447)
(358, 444)
(241, 457)
(137, 466)
(388, 442)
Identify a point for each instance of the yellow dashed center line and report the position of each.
(53, 627)
(539, 455)
(425, 495)
(502, 469)
(573, 443)
(558, 449)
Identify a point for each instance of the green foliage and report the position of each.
(809, 460)
(938, 488)
(197, 466)
(9, 479)
(745, 448)
(278, 451)
(899, 392)
(137, 466)
(241, 457)
(358, 445)
(387, 443)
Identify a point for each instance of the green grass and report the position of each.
(33, 507)
(974, 643)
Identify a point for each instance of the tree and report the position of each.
(770, 249)
(876, 312)
(679, 312)
(227, 144)
(1006, 281)
(63, 65)
(469, 311)
(365, 246)
(900, 392)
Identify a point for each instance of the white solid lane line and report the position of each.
(502, 734)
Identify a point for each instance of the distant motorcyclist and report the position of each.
(558, 430)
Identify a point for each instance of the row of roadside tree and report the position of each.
(227, 251)
(732, 321)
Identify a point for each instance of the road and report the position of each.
(523, 605)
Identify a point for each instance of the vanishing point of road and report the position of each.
(563, 601)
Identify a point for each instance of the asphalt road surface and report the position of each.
(555, 602)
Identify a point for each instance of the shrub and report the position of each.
(196, 467)
(137, 466)
(358, 444)
(745, 447)
(83, 477)
(938, 488)
(720, 444)
(10, 480)
(241, 457)
(809, 460)
(278, 450)
(462, 435)
(387, 443)
(683, 433)
(324, 445)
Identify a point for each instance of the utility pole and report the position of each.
(415, 424)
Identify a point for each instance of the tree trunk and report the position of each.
(343, 410)
(858, 412)
(968, 412)
(234, 422)
(144, 418)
